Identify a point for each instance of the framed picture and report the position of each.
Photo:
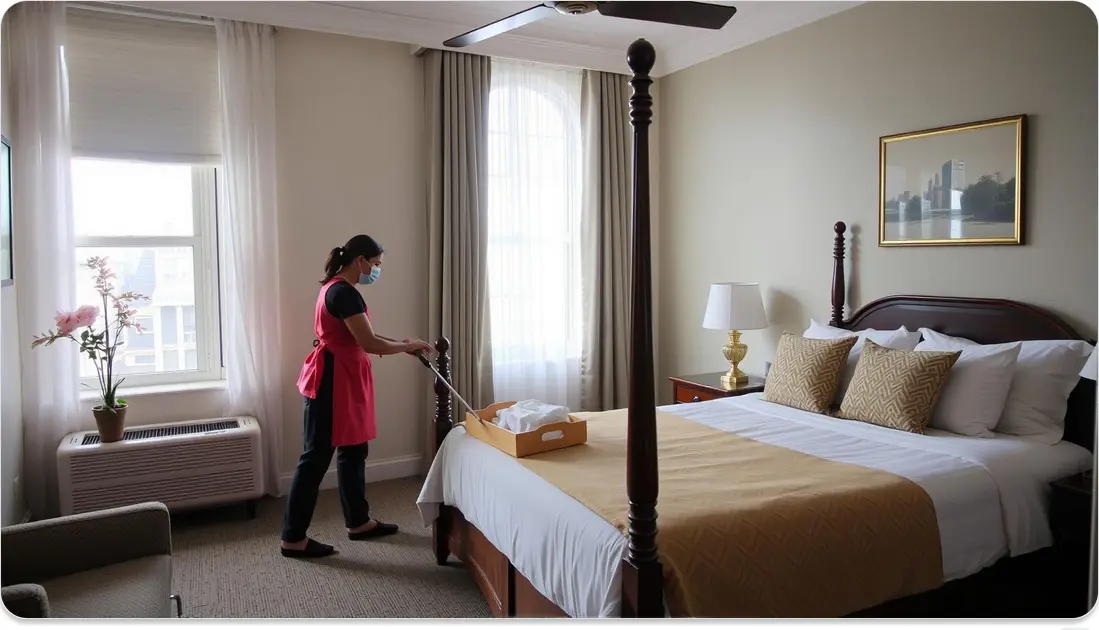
(7, 275)
(959, 185)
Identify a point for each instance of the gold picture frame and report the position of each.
(953, 205)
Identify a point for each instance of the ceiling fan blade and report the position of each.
(509, 23)
(696, 14)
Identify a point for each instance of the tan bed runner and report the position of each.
(747, 529)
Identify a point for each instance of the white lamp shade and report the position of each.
(1091, 368)
(735, 306)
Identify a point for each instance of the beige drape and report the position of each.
(605, 238)
(456, 89)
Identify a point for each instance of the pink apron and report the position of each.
(352, 379)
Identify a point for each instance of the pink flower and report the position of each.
(86, 316)
(66, 323)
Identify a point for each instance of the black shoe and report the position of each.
(313, 549)
(380, 529)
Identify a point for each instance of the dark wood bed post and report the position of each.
(839, 284)
(642, 579)
(444, 421)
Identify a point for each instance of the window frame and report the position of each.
(203, 244)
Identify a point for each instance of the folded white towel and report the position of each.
(528, 415)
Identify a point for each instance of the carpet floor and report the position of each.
(228, 566)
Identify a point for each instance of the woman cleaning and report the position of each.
(338, 387)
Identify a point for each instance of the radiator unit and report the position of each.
(180, 464)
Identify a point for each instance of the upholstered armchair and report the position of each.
(103, 564)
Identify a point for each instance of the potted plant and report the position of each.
(100, 345)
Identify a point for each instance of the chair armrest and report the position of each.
(41, 550)
(26, 600)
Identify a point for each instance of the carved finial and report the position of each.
(641, 57)
(839, 286)
(444, 415)
(442, 392)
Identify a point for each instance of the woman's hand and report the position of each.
(417, 345)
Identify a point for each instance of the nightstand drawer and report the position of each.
(686, 395)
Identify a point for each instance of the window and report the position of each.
(534, 232)
(144, 103)
(155, 224)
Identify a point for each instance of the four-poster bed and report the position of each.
(637, 586)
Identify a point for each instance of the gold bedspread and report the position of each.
(747, 529)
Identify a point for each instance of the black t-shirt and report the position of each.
(342, 300)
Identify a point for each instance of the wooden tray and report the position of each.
(549, 437)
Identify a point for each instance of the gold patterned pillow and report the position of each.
(806, 372)
(896, 388)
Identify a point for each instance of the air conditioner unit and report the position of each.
(180, 464)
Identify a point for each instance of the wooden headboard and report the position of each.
(979, 319)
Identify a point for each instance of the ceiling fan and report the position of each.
(696, 14)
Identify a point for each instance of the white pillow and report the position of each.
(899, 339)
(976, 388)
(1045, 374)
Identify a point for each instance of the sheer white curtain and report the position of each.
(248, 229)
(45, 251)
(534, 232)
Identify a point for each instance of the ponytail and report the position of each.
(340, 257)
(334, 263)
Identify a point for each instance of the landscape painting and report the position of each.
(959, 185)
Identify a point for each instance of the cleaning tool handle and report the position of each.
(420, 355)
(423, 359)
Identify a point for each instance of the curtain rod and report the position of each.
(143, 13)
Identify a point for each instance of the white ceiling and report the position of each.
(591, 41)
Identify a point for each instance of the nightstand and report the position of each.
(1070, 522)
(701, 387)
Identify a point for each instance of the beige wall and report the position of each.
(771, 145)
(350, 115)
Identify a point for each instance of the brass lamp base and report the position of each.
(733, 378)
(734, 352)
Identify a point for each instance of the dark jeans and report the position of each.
(314, 461)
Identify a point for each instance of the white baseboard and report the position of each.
(378, 470)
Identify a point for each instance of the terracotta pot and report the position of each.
(111, 424)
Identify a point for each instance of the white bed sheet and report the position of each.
(990, 494)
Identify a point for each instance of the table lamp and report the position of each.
(734, 306)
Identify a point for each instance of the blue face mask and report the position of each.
(372, 277)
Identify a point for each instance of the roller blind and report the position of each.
(142, 88)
